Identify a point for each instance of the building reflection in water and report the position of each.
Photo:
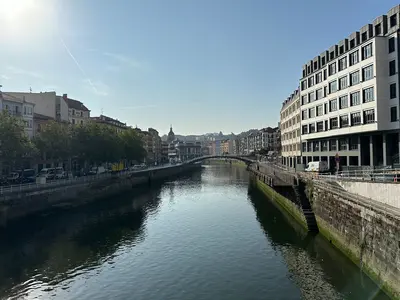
(51, 248)
(310, 258)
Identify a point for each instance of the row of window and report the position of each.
(291, 135)
(341, 122)
(292, 147)
(293, 121)
(340, 84)
(290, 110)
(341, 103)
(342, 144)
(333, 68)
(28, 123)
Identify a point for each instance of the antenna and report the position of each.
(30, 89)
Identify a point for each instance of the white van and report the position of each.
(97, 170)
(317, 166)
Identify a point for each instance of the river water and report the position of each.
(207, 236)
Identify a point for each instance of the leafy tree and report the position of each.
(14, 143)
(54, 141)
(132, 145)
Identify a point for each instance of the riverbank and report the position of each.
(232, 162)
(21, 203)
(361, 231)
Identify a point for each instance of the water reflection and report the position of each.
(319, 270)
(58, 246)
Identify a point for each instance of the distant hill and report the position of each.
(210, 136)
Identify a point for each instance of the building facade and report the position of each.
(291, 130)
(20, 109)
(78, 113)
(350, 98)
(115, 124)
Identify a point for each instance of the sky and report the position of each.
(200, 65)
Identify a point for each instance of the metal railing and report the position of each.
(377, 175)
(60, 182)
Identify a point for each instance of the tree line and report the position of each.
(91, 142)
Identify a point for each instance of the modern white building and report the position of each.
(19, 108)
(350, 98)
(291, 130)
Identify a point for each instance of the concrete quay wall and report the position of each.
(366, 231)
(22, 203)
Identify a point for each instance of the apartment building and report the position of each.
(350, 98)
(78, 113)
(117, 125)
(19, 108)
(291, 130)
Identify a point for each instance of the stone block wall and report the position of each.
(367, 232)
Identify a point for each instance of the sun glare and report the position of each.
(12, 10)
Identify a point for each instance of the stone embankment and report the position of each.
(367, 231)
(20, 202)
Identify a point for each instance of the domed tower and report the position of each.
(171, 135)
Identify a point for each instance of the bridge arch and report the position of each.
(245, 159)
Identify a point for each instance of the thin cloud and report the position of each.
(99, 88)
(20, 71)
(122, 59)
(87, 80)
(5, 77)
(141, 106)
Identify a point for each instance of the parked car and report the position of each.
(60, 173)
(48, 173)
(97, 170)
(317, 166)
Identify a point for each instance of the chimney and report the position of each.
(65, 96)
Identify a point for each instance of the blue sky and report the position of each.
(203, 66)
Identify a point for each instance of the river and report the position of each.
(206, 236)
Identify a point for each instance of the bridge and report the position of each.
(245, 159)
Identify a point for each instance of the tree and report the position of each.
(14, 143)
(54, 141)
(132, 145)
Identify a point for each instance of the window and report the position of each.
(311, 112)
(392, 46)
(355, 98)
(353, 58)
(331, 55)
(355, 119)
(368, 95)
(323, 61)
(304, 85)
(304, 129)
(303, 99)
(342, 63)
(333, 123)
(342, 144)
(324, 146)
(369, 116)
(304, 147)
(353, 142)
(309, 147)
(366, 51)
(378, 29)
(304, 114)
(332, 69)
(393, 114)
(344, 121)
(354, 78)
(25, 110)
(320, 126)
(311, 81)
(342, 83)
(312, 128)
(332, 145)
(326, 107)
(341, 50)
(319, 94)
(320, 110)
(392, 68)
(332, 87)
(311, 97)
(73, 112)
(343, 102)
(316, 146)
(352, 43)
(368, 73)
(363, 37)
(318, 77)
(325, 74)
(393, 91)
(393, 20)
(333, 105)
(73, 121)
